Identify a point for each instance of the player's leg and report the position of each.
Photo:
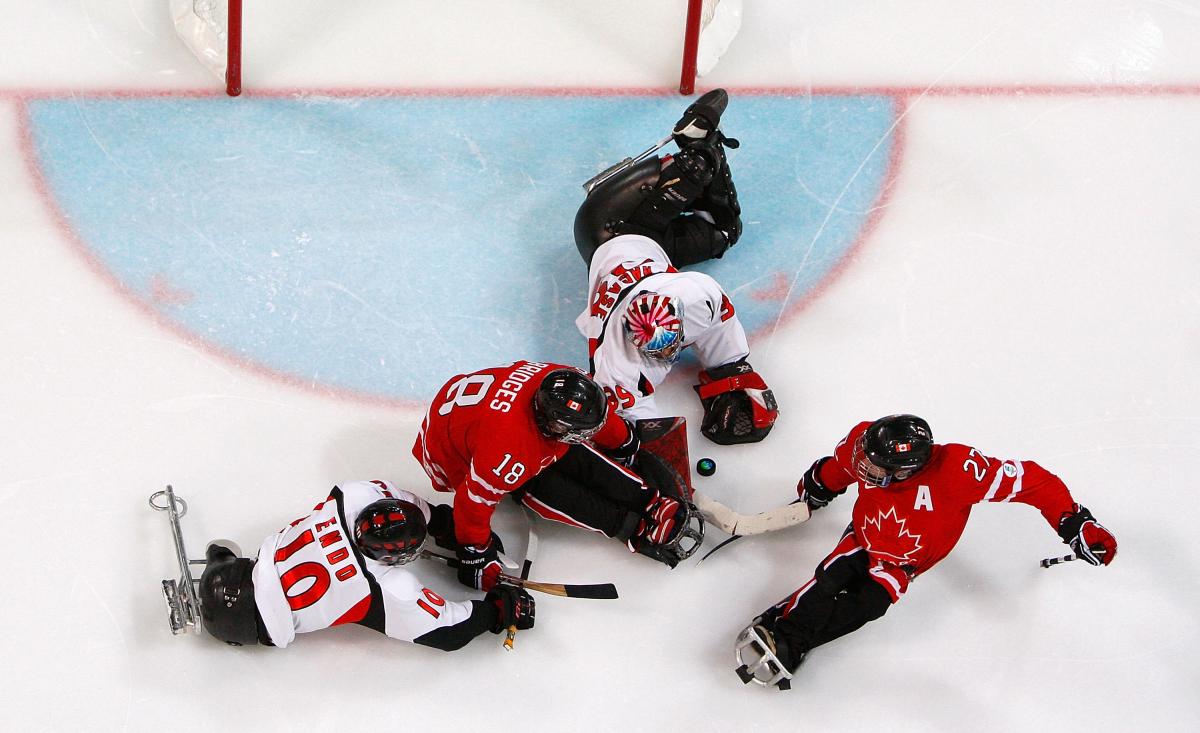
(839, 599)
(227, 598)
(556, 495)
(588, 490)
(656, 198)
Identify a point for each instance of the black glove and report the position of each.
(812, 490)
(627, 451)
(479, 565)
(1089, 539)
(441, 526)
(514, 605)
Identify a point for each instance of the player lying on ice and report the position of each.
(634, 230)
(546, 434)
(913, 501)
(343, 564)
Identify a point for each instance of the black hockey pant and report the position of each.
(842, 597)
(586, 489)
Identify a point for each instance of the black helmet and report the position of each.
(390, 531)
(893, 448)
(569, 406)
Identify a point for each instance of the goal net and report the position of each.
(212, 30)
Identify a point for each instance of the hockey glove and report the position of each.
(514, 605)
(627, 451)
(441, 526)
(738, 406)
(1089, 539)
(812, 490)
(479, 565)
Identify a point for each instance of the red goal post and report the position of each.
(710, 28)
(212, 30)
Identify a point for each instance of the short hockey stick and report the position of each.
(600, 591)
(531, 548)
(724, 542)
(1047, 562)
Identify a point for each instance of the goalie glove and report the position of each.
(738, 405)
(1090, 541)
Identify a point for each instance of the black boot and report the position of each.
(701, 118)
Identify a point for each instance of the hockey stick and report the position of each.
(600, 591)
(738, 536)
(731, 522)
(531, 548)
(1047, 562)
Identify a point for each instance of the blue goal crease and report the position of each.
(379, 245)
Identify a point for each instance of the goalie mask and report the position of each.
(654, 324)
(893, 448)
(390, 531)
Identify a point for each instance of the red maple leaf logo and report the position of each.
(887, 537)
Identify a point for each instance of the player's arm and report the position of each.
(418, 614)
(1026, 482)
(739, 407)
(493, 472)
(828, 477)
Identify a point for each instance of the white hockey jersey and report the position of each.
(310, 576)
(630, 264)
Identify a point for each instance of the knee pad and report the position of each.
(606, 208)
(690, 240)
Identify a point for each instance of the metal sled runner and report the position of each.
(183, 604)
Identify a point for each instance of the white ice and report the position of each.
(1033, 288)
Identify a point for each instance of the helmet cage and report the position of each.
(870, 473)
(561, 431)
(570, 408)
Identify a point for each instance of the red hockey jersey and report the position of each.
(910, 525)
(479, 440)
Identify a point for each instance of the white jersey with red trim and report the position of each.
(630, 264)
(310, 576)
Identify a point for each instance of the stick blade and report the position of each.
(598, 591)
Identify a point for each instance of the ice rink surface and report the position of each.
(981, 213)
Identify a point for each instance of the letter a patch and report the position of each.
(924, 500)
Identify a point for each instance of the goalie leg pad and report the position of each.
(682, 181)
(689, 240)
(603, 213)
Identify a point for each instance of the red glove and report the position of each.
(1089, 539)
